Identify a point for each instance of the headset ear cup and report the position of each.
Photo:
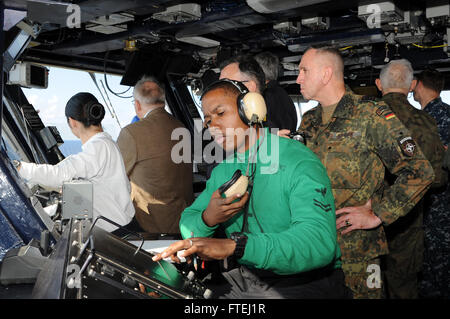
(241, 109)
(254, 107)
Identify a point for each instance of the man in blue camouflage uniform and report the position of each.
(436, 268)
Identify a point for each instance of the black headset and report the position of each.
(251, 105)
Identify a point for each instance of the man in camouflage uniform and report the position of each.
(405, 236)
(436, 268)
(355, 140)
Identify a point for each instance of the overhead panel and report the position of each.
(181, 13)
(52, 12)
(271, 6)
(110, 24)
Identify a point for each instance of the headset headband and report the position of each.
(239, 85)
(251, 105)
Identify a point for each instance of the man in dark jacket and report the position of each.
(281, 112)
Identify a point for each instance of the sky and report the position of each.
(64, 83)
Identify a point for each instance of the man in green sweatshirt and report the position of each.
(281, 233)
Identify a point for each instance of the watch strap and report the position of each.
(241, 241)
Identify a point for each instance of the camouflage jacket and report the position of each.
(424, 131)
(362, 138)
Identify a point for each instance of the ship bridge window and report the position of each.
(63, 84)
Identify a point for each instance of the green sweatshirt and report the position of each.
(292, 223)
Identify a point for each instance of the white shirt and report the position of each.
(101, 163)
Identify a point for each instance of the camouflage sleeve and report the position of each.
(307, 121)
(393, 144)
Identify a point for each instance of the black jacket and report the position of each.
(281, 111)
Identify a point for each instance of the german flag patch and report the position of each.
(385, 112)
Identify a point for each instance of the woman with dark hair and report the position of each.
(100, 162)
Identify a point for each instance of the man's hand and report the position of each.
(359, 217)
(220, 209)
(205, 248)
(283, 133)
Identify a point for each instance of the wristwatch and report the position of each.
(16, 163)
(241, 240)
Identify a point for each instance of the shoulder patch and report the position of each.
(385, 112)
(407, 145)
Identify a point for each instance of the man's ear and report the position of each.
(378, 84)
(413, 85)
(327, 74)
(137, 107)
(251, 86)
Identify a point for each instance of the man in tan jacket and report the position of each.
(160, 188)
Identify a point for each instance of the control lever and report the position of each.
(121, 227)
(45, 242)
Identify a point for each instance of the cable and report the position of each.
(106, 81)
(250, 186)
(112, 107)
(117, 94)
(107, 106)
(430, 47)
(346, 48)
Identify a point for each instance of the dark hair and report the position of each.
(85, 108)
(269, 63)
(431, 79)
(248, 65)
(229, 86)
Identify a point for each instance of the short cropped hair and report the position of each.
(334, 52)
(146, 96)
(269, 63)
(432, 79)
(397, 74)
(248, 65)
(225, 85)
